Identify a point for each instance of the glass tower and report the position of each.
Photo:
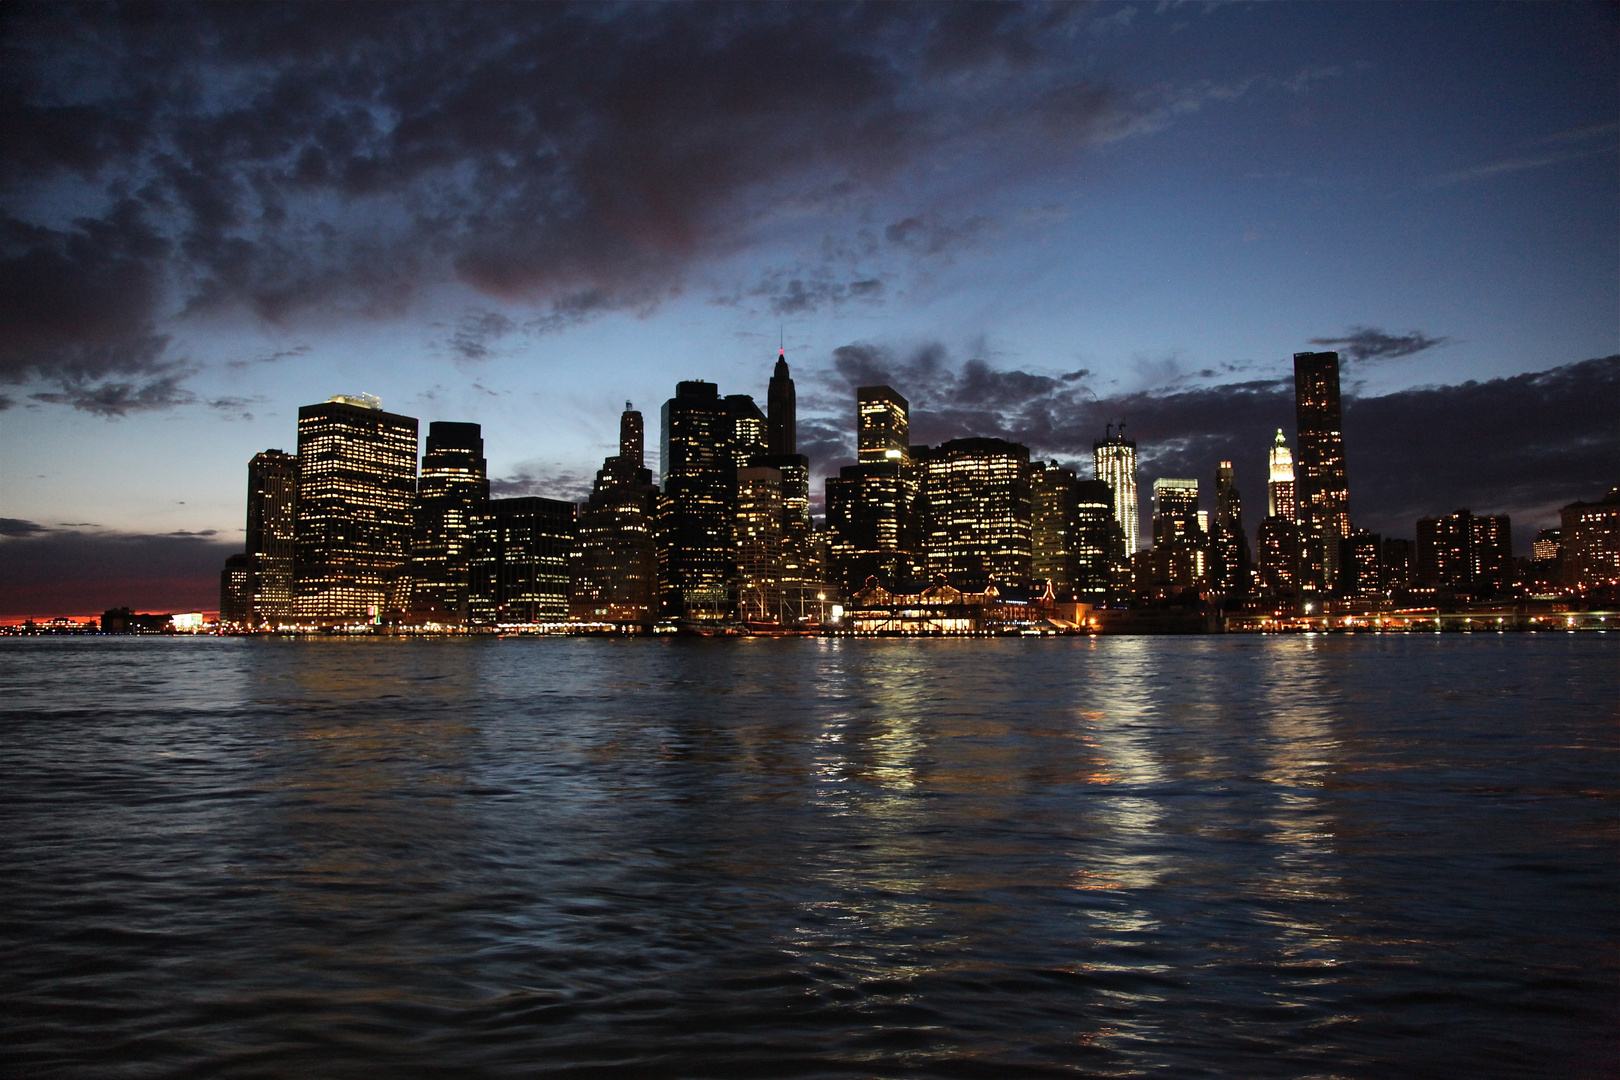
(1114, 461)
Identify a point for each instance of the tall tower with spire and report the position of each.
(1114, 463)
(781, 425)
(632, 437)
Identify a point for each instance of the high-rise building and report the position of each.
(748, 429)
(1280, 500)
(1464, 552)
(883, 425)
(1320, 485)
(1228, 544)
(1361, 571)
(1180, 551)
(1074, 538)
(1397, 560)
(236, 592)
(356, 497)
(631, 437)
(272, 524)
(1278, 563)
(1114, 458)
(976, 512)
(1591, 539)
(450, 494)
(614, 570)
(696, 512)
(781, 411)
(759, 544)
(870, 525)
(519, 570)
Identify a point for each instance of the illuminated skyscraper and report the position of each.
(759, 544)
(614, 571)
(520, 562)
(695, 531)
(356, 497)
(1074, 538)
(976, 512)
(1280, 501)
(1114, 463)
(748, 429)
(1591, 539)
(1322, 490)
(1464, 552)
(870, 525)
(883, 426)
(272, 524)
(781, 409)
(1228, 544)
(451, 492)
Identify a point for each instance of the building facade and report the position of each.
(977, 516)
(1590, 534)
(519, 569)
(695, 536)
(1465, 553)
(614, 570)
(272, 532)
(1114, 463)
(1321, 486)
(451, 492)
(1280, 500)
(356, 503)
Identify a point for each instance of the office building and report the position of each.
(272, 525)
(1591, 541)
(781, 411)
(1229, 568)
(748, 429)
(1178, 559)
(1465, 553)
(356, 502)
(614, 570)
(519, 567)
(1321, 488)
(759, 545)
(871, 527)
(976, 512)
(1280, 491)
(697, 509)
(236, 593)
(1075, 541)
(1278, 559)
(883, 425)
(1114, 463)
(1397, 561)
(451, 491)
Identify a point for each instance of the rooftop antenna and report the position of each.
(781, 337)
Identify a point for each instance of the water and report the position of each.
(1257, 857)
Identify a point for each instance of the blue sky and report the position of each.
(525, 216)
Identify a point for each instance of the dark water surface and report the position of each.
(1252, 857)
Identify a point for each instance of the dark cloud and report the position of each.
(80, 573)
(1370, 343)
(1523, 445)
(476, 332)
(285, 159)
(272, 358)
(112, 398)
(533, 478)
(20, 527)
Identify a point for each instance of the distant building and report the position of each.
(1179, 553)
(1229, 569)
(1465, 553)
(1280, 499)
(696, 512)
(236, 592)
(871, 525)
(356, 497)
(1114, 463)
(781, 411)
(614, 569)
(1591, 540)
(759, 545)
(451, 493)
(519, 569)
(1361, 565)
(1278, 558)
(748, 429)
(1321, 485)
(1398, 564)
(976, 512)
(1075, 541)
(883, 425)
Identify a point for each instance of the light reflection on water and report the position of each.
(1259, 857)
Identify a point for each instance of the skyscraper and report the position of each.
(1321, 487)
(1074, 537)
(695, 533)
(614, 572)
(781, 410)
(356, 495)
(1114, 463)
(1228, 544)
(759, 544)
(1591, 539)
(519, 569)
(883, 425)
(1465, 552)
(1280, 501)
(977, 516)
(272, 523)
(451, 492)
(748, 429)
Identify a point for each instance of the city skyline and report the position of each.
(1030, 222)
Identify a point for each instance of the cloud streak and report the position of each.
(1364, 343)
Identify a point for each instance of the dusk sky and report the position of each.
(1029, 220)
